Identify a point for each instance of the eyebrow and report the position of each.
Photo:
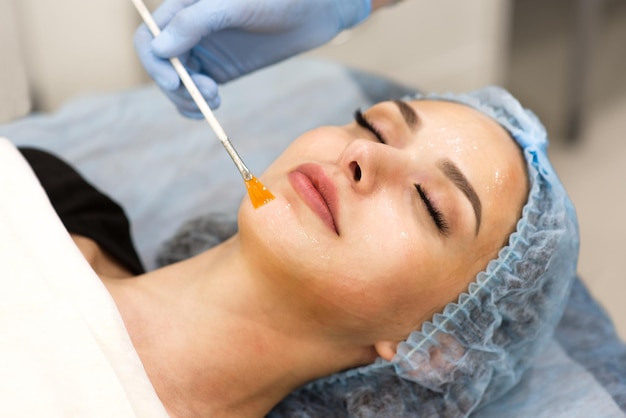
(456, 176)
(408, 114)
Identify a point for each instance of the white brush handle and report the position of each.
(195, 94)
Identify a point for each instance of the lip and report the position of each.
(317, 191)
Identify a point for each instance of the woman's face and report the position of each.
(378, 224)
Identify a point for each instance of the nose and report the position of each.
(368, 164)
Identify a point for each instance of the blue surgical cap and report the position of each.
(478, 347)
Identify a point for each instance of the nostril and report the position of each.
(354, 166)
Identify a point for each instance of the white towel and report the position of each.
(64, 350)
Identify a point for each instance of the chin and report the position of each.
(269, 225)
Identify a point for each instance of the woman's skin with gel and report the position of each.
(387, 262)
(375, 226)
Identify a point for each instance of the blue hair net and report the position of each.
(479, 346)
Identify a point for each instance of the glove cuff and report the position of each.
(353, 12)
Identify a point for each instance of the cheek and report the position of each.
(387, 262)
(384, 236)
(404, 273)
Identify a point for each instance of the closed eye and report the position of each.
(435, 214)
(362, 121)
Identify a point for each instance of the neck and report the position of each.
(216, 340)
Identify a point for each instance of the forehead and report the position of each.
(484, 151)
(438, 114)
(466, 133)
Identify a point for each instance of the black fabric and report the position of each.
(83, 209)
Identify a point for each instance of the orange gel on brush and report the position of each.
(259, 195)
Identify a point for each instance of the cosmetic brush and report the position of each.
(258, 193)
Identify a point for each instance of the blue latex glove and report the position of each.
(220, 40)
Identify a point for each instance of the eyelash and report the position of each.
(435, 213)
(362, 121)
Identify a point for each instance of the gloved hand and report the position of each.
(220, 40)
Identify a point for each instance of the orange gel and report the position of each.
(259, 195)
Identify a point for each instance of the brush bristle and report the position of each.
(259, 195)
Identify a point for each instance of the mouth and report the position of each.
(317, 191)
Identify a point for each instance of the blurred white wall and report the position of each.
(14, 95)
(72, 47)
(75, 46)
(443, 45)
